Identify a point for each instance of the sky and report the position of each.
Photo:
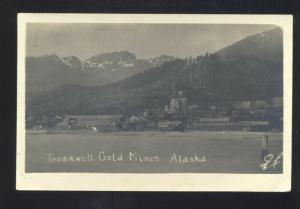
(144, 40)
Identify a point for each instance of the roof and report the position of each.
(95, 117)
(216, 119)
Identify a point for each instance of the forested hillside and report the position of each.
(250, 69)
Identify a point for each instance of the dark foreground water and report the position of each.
(153, 152)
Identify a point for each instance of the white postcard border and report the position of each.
(155, 182)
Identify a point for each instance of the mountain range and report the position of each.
(49, 71)
(250, 69)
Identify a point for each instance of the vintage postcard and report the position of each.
(123, 102)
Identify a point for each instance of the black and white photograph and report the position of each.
(154, 102)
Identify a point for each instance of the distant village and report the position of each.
(178, 115)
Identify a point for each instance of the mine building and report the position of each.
(94, 122)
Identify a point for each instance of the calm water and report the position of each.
(151, 152)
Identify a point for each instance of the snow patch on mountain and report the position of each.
(124, 64)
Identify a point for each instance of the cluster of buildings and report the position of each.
(174, 118)
(177, 116)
